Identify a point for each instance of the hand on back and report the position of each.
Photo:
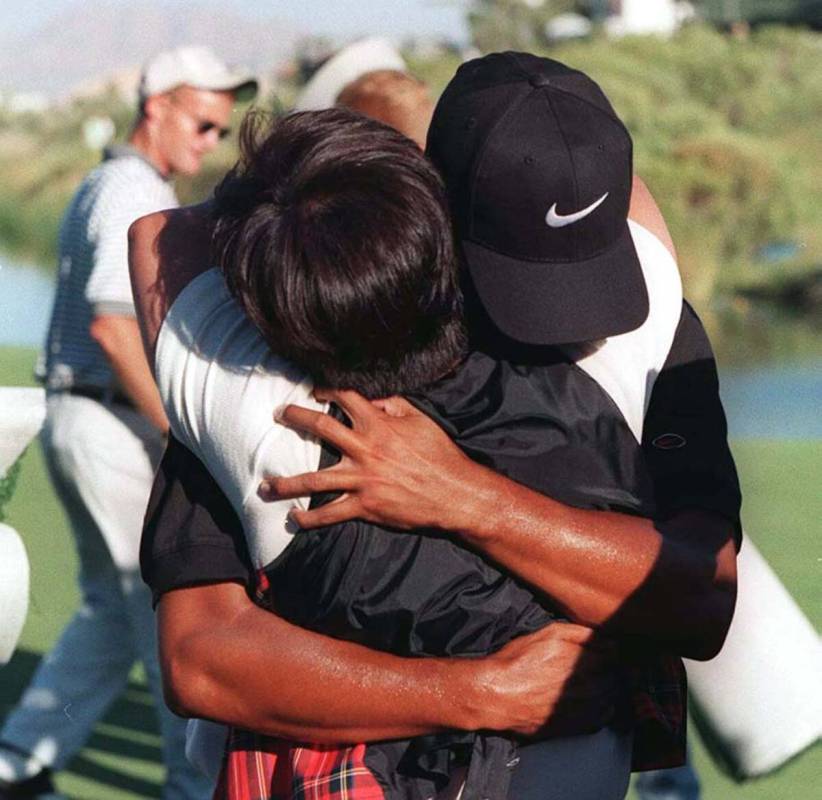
(559, 681)
(398, 469)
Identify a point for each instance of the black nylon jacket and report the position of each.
(547, 425)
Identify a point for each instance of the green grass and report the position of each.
(122, 758)
(782, 512)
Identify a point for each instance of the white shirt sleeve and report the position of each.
(626, 366)
(122, 200)
(220, 386)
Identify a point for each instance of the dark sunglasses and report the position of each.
(206, 127)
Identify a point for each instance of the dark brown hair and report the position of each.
(333, 234)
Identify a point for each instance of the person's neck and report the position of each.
(142, 141)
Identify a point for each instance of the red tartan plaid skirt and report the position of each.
(260, 767)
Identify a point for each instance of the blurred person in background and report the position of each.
(106, 428)
(328, 75)
(370, 77)
(396, 98)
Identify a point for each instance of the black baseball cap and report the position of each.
(538, 169)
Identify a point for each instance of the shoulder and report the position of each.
(691, 342)
(167, 250)
(645, 211)
(130, 166)
(130, 186)
(688, 381)
(113, 175)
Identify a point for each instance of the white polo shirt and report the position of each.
(93, 275)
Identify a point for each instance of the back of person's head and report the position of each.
(393, 97)
(333, 234)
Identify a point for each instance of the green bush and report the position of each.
(725, 134)
(8, 484)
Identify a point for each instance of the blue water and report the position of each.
(26, 296)
(762, 402)
(774, 401)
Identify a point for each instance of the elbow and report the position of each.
(713, 622)
(98, 330)
(184, 685)
(178, 700)
(101, 331)
(711, 601)
(193, 625)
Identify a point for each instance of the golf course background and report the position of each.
(725, 130)
(782, 510)
(726, 134)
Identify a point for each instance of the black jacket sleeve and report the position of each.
(191, 534)
(685, 438)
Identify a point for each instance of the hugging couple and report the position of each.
(448, 493)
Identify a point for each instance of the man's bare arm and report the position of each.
(645, 211)
(226, 659)
(673, 582)
(166, 250)
(119, 338)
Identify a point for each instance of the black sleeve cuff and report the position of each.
(191, 534)
(195, 565)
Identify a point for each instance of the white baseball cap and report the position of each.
(352, 62)
(197, 67)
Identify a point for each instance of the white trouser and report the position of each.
(102, 460)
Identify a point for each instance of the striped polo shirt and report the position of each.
(93, 274)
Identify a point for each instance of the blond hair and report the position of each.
(393, 97)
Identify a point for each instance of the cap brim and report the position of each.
(558, 303)
(350, 63)
(243, 88)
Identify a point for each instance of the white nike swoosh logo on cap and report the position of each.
(554, 220)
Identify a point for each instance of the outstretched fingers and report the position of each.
(340, 510)
(357, 408)
(323, 426)
(333, 479)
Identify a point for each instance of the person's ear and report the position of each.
(155, 107)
